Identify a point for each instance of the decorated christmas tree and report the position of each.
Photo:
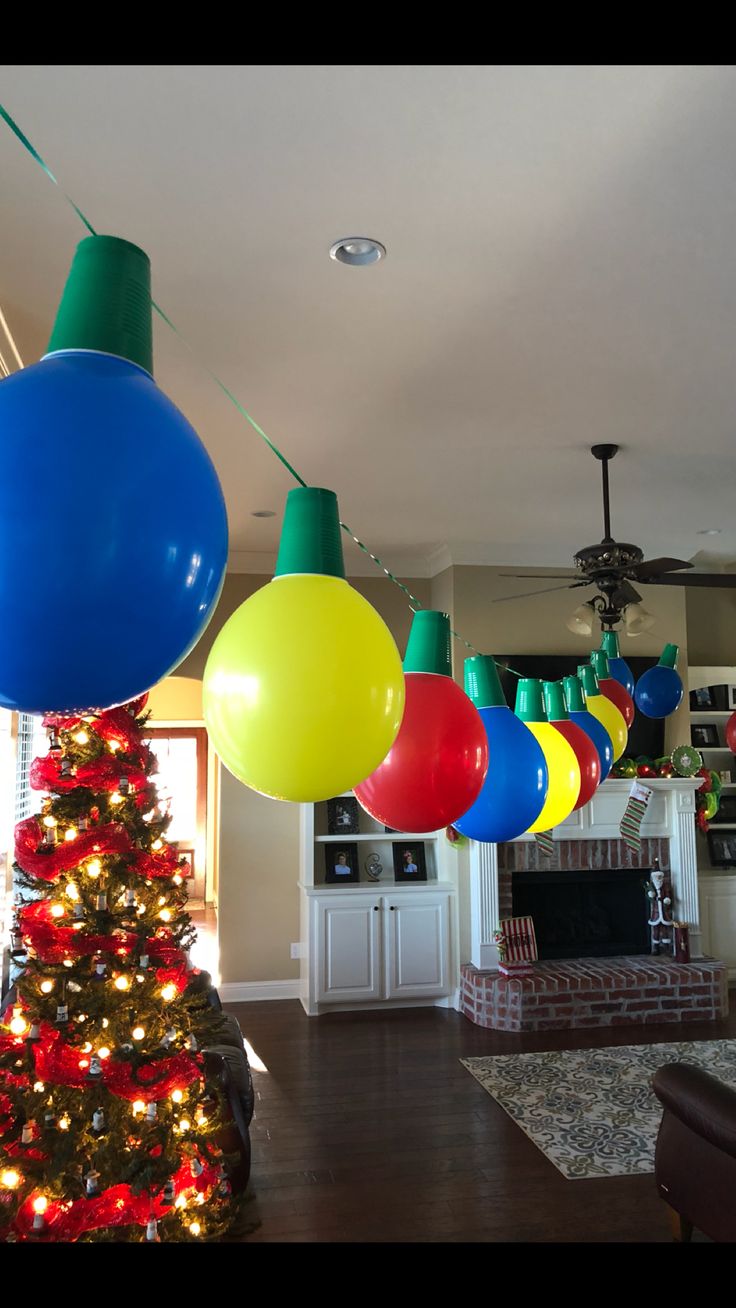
(108, 1130)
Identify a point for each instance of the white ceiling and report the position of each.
(561, 270)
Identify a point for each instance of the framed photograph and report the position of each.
(722, 848)
(726, 778)
(726, 811)
(409, 862)
(704, 735)
(342, 816)
(702, 698)
(188, 856)
(341, 864)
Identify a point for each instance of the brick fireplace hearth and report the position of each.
(592, 992)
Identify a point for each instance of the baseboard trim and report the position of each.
(243, 992)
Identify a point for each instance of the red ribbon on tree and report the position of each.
(59, 1063)
(103, 774)
(49, 861)
(117, 1206)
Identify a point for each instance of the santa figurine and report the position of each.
(660, 912)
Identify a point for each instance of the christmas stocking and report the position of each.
(636, 807)
(545, 843)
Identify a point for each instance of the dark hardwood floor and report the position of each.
(367, 1128)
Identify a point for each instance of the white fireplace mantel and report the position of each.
(670, 815)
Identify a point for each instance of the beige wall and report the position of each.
(259, 870)
(711, 627)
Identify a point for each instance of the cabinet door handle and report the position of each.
(375, 908)
(392, 907)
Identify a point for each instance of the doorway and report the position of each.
(181, 753)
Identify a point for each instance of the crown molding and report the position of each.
(357, 564)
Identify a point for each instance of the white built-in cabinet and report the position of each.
(717, 886)
(379, 944)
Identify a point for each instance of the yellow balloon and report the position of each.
(612, 719)
(564, 776)
(303, 689)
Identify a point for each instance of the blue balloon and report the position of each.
(620, 671)
(599, 736)
(515, 787)
(658, 692)
(113, 534)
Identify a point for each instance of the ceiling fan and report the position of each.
(612, 566)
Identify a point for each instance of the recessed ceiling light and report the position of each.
(709, 531)
(263, 513)
(357, 251)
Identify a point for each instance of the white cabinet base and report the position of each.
(378, 948)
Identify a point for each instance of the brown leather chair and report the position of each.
(695, 1161)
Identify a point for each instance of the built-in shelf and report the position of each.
(714, 749)
(396, 836)
(712, 713)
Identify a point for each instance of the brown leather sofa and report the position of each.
(227, 1069)
(695, 1161)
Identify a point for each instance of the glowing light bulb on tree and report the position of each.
(515, 786)
(81, 737)
(46, 987)
(436, 766)
(304, 662)
(585, 751)
(563, 770)
(604, 709)
(9, 1178)
(611, 688)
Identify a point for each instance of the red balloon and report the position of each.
(731, 733)
(619, 696)
(436, 766)
(587, 756)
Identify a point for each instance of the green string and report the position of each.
(413, 601)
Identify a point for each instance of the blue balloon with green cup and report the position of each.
(515, 788)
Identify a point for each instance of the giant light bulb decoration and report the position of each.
(436, 767)
(303, 690)
(585, 751)
(515, 787)
(113, 532)
(575, 705)
(659, 691)
(562, 766)
(617, 666)
(611, 688)
(604, 710)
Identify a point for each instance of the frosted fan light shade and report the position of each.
(581, 621)
(637, 619)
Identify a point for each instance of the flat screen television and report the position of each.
(646, 735)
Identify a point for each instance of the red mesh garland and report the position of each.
(58, 1062)
(53, 943)
(103, 774)
(117, 1206)
(49, 861)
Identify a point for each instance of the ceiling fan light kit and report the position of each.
(580, 623)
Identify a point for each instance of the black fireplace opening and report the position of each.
(592, 913)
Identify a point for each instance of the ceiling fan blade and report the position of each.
(625, 594)
(500, 599)
(652, 567)
(709, 580)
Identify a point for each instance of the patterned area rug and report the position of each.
(592, 1112)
